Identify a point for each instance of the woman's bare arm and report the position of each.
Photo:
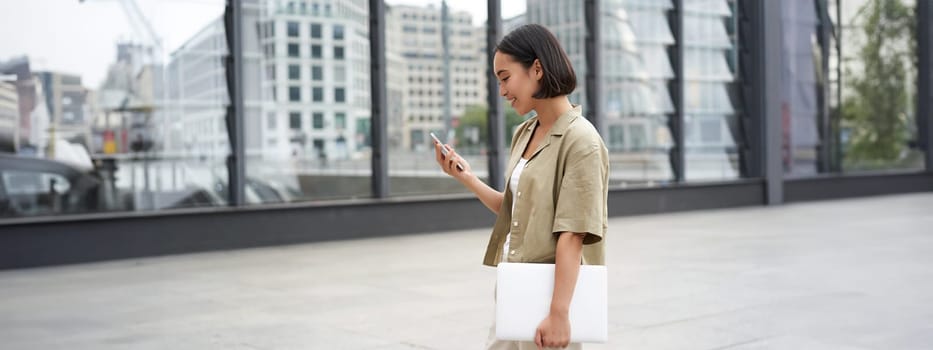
(491, 198)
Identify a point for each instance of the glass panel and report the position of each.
(314, 159)
(710, 121)
(877, 129)
(416, 94)
(90, 124)
(637, 71)
(800, 94)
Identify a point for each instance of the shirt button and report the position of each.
(515, 223)
(512, 252)
(519, 193)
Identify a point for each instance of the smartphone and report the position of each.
(444, 149)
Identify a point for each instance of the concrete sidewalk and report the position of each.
(854, 274)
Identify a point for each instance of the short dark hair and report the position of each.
(532, 41)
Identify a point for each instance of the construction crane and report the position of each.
(131, 97)
(143, 29)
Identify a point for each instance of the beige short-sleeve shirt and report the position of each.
(564, 188)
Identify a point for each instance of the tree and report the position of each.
(877, 110)
(476, 116)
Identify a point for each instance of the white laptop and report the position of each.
(523, 300)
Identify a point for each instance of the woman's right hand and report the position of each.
(449, 163)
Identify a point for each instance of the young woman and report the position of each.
(553, 209)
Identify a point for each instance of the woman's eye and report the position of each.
(505, 79)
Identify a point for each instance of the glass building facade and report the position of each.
(145, 124)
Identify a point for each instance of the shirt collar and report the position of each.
(563, 121)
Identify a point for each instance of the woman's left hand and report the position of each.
(553, 332)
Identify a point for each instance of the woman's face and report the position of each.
(517, 83)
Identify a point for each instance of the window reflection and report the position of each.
(136, 124)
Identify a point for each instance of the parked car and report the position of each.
(33, 186)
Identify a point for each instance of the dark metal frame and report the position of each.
(593, 47)
(496, 123)
(97, 237)
(380, 151)
(925, 81)
(824, 36)
(760, 63)
(44, 241)
(236, 160)
(678, 156)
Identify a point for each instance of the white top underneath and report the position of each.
(513, 187)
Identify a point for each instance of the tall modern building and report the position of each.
(397, 85)
(26, 87)
(197, 96)
(130, 111)
(9, 117)
(306, 83)
(316, 64)
(637, 70)
(420, 44)
(65, 98)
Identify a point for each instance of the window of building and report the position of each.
(338, 32)
(293, 50)
(340, 119)
(338, 52)
(317, 73)
(639, 136)
(315, 30)
(616, 137)
(294, 72)
(292, 29)
(294, 120)
(317, 94)
(340, 95)
(315, 51)
(317, 120)
(294, 94)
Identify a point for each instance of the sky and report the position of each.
(76, 37)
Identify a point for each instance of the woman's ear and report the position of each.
(537, 70)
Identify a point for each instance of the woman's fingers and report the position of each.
(450, 163)
(437, 153)
(453, 159)
(538, 339)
